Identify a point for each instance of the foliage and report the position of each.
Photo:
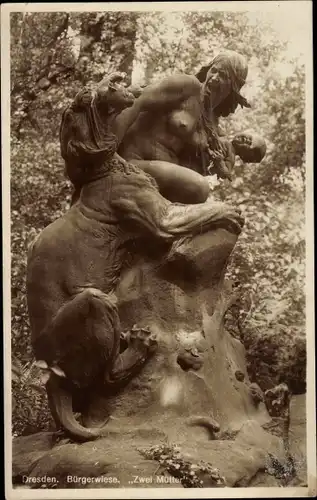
(269, 259)
(277, 356)
(54, 54)
(39, 195)
(190, 475)
(29, 403)
(288, 131)
(197, 37)
(284, 471)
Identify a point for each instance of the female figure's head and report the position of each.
(222, 80)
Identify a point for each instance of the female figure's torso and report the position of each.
(166, 136)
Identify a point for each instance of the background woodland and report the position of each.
(54, 54)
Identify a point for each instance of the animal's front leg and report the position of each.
(142, 345)
(168, 221)
(190, 219)
(138, 346)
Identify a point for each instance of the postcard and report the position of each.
(158, 250)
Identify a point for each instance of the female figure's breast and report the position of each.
(162, 136)
(183, 121)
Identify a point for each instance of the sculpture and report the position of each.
(75, 264)
(181, 131)
(186, 135)
(251, 148)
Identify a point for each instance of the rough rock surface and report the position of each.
(117, 456)
(183, 298)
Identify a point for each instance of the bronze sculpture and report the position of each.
(75, 264)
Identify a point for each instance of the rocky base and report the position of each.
(191, 417)
(253, 457)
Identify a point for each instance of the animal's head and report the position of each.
(250, 147)
(111, 96)
(86, 135)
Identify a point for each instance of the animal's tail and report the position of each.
(207, 422)
(60, 402)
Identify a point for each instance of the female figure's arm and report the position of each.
(162, 96)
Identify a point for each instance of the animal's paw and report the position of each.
(143, 339)
(190, 359)
(233, 221)
(125, 338)
(228, 217)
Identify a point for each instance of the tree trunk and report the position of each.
(107, 44)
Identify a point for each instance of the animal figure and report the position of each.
(75, 263)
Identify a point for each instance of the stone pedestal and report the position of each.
(197, 375)
(183, 297)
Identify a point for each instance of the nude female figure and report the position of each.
(164, 141)
(182, 131)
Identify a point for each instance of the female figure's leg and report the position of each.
(176, 183)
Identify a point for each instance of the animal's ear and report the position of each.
(82, 100)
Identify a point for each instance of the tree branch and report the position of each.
(62, 28)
